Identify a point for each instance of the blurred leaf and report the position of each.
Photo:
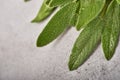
(118, 1)
(27, 0)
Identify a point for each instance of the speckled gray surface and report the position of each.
(20, 59)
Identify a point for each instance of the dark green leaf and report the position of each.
(74, 20)
(89, 9)
(85, 44)
(111, 32)
(75, 17)
(44, 12)
(57, 24)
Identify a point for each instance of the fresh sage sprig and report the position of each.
(98, 19)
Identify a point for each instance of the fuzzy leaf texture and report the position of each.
(57, 24)
(111, 32)
(89, 9)
(44, 12)
(86, 43)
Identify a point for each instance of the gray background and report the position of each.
(20, 59)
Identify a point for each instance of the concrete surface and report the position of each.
(20, 59)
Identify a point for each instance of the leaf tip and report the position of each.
(70, 66)
(108, 55)
(71, 69)
(35, 21)
(108, 58)
(39, 44)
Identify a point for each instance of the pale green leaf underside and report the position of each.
(89, 9)
(57, 24)
(111, 32)
(85, 43)
(44, 12)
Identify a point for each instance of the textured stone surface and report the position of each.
(20, 59)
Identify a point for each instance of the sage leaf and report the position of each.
(44, 12)
(111, 32)
(57, 24)
(89, 9)
(55, 3)
(74, 20)
(85, 43)
(75, 17)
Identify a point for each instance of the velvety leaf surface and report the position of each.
(57, 24)
(85, 43)
(89, 9)
(111, 32)
(44, 12)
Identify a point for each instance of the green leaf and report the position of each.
(44, 12)
(118, 1)
(57, 24)
(105, 8)
(55, 3)
(89, 9)
(85, 43)
(75, 17)
(111, 32)
(74, 20)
